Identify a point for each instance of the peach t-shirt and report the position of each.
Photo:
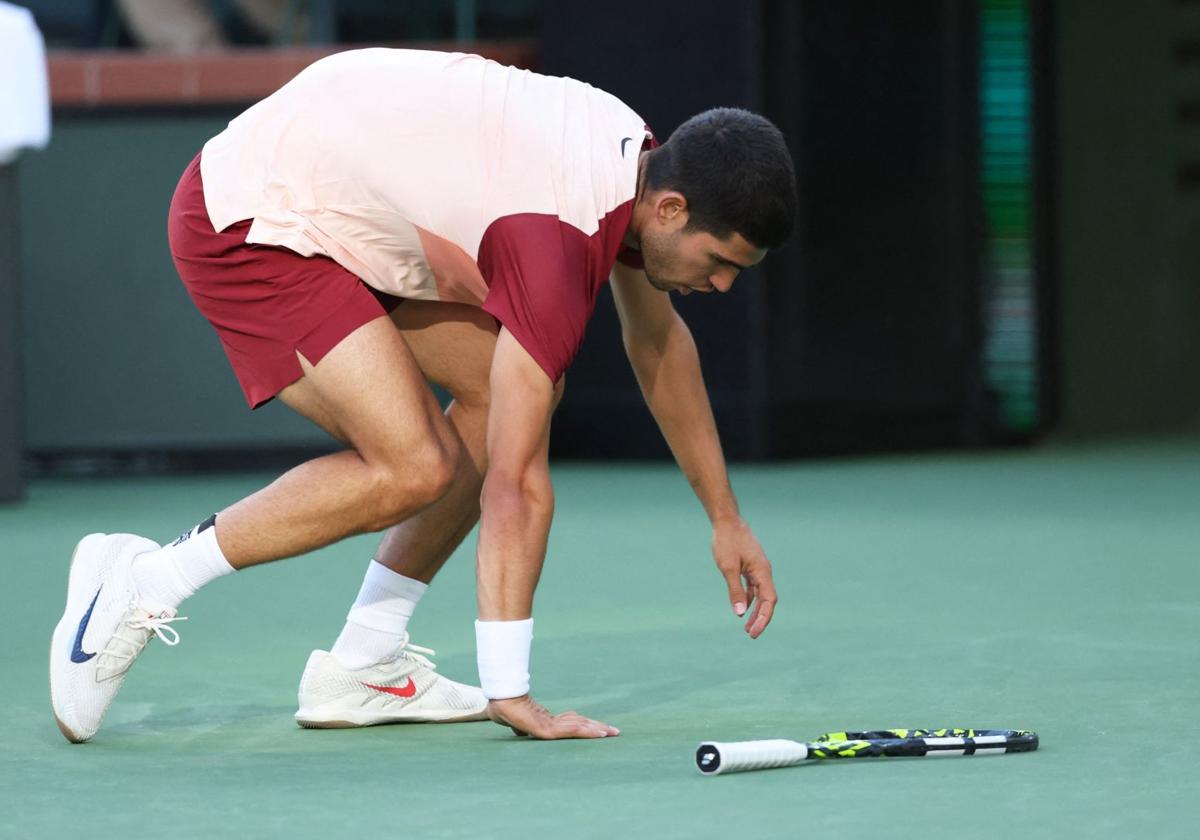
(441, 176)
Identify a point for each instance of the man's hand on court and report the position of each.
(525, 716)
(747, 573)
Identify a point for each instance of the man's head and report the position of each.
(713, 199)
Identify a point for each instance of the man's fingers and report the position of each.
(582, 727)
(751, 591)
(737, 594)
(765, 607)
(761, 618)
(575, 725)
(600, 727)
(525, 717)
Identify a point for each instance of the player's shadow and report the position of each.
(622, 685)
(198, 720)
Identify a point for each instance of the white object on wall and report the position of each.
(24, 89)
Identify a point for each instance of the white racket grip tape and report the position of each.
(714, 757)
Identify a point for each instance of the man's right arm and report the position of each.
(518, 498)
(517, 506)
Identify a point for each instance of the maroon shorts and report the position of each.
(267, 304)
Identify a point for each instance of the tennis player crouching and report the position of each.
(392, 216)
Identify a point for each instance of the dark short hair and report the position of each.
(735, 171)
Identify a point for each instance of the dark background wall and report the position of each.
(1128, 217)
(11, 444)
(115, 354)
(863, 333)
(860, 332)
(668, 61)
(859, 335)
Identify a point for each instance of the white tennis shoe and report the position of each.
(406, 689)
(103, 629)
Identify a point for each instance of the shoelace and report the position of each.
(161, 625)
(412, 651)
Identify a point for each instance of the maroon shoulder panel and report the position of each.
(543, 276)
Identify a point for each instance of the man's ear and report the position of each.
(670, 207)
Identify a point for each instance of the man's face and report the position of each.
(683, 261)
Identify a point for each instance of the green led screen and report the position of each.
(1006, 96)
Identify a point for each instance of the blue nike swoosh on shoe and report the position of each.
(77, 653)
(624, 140)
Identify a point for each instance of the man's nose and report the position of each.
(722, 281)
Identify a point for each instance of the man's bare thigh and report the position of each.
(452, 344)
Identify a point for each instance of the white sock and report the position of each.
(173, 573)
(377, 625)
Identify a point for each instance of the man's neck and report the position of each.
(633, 233)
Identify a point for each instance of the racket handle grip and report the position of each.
(714, 757)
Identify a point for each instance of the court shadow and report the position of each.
(196, 720)
(663, 675)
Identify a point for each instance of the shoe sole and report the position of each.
(347, 722)
(62, 727)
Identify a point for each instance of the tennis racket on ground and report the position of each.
(714, 758)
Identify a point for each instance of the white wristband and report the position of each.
(502, 648)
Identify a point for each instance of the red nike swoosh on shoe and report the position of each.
(400, 691)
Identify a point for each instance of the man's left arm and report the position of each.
(664, 359)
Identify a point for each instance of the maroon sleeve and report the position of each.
(539, 285)
(543, 276)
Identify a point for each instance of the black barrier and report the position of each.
(864, 332)
(10, 391)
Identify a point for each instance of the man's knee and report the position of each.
(403, 486)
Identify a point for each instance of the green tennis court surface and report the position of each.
(1057, 590)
